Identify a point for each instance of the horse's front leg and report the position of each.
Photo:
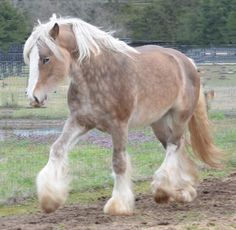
(52, 180)
(122, 200)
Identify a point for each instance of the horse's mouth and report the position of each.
(35, 104)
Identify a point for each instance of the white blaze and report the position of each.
(34, 71)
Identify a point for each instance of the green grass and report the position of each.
(216, 115)
(218, 75)
(90, 166)
(51, 112)
(12, 97)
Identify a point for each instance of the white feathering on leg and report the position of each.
(122, 200)
(52, 185)
(176, 178)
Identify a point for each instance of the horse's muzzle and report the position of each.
(37, 100)
(36, 103)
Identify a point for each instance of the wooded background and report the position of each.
(198, 22)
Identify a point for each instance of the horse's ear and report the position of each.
(54, 31)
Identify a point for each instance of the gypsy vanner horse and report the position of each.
(114, 87)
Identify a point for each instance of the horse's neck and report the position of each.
(97, 68)
(98, 65)
(81, 73)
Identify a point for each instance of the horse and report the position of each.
(209, 96)
(115, 87)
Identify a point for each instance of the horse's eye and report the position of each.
(45, 60)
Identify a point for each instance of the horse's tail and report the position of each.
(201, 137)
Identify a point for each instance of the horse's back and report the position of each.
(169, 53)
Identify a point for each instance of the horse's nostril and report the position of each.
(36, 99)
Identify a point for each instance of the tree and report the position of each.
(200, 22)
(13, 26)
(231, 24)
(160, 20)
(150, 23)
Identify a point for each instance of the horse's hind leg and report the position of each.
(177, 176)
(122, 200)
(161, 130)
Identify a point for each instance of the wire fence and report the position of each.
(12, 63)
(26, 133)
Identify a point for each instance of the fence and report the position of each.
(12, 64)
(212, 55)
(26, 134)
(201, 55)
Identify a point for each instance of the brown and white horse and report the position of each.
(114, 87)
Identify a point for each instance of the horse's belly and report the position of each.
(143, 117)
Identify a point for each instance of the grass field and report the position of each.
(218, 75)
(14, 103)
(90, 164)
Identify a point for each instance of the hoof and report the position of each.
(161, 196)
(52, 191)
(117, 207)
(166, 194)
(186, 195)
(48, 205)
(51, 196)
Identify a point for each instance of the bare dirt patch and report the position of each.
(214, 208)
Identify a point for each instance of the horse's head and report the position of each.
(56, 47)
(48, 54)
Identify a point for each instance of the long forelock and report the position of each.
(89, 39)
(41, 37)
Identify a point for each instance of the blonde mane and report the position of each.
(89, 39)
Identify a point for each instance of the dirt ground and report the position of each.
(214, 208)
